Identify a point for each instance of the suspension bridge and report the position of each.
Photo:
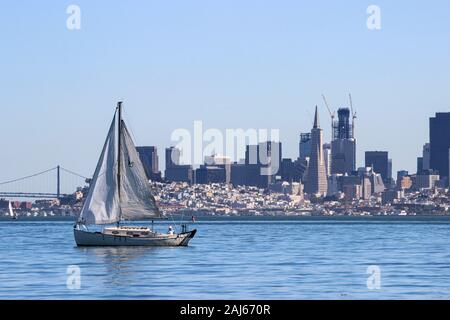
(53, 183)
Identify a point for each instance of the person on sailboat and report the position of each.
(170, 230)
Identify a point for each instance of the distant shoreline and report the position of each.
(187, 219)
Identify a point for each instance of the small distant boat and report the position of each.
(121, 191)
(11, 212)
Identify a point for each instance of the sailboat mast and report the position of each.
(119, 159)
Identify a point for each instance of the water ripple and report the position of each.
(235, 260)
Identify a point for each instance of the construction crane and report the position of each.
(332, 115)
(351, 106)
(353, 113)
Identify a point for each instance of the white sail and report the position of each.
(102, 202)
(136, 200)
(11, 212)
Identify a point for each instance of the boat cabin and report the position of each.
(128, 231)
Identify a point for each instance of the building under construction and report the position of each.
(343, 141)
(343, 144)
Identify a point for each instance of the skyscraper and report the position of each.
(174, 171)
(210, 174)
(305, 146)
(343, 145)
(263, 163)
(426, 157)
(419, 164)
(439, 144)
(221, 162)
(293, 171)
(379, 162)
(327, 157)
(149, 159)
(252, 166)
(317, 179)
(270, 156)
(180, 173)
(238, 174)
(389, 177)
(172, 157)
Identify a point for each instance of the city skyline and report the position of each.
(161, 162)
(232, 66)
(326, 144)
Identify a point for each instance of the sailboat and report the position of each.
(120, 191)
(11, 211)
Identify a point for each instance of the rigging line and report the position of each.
(133, 136)
(173, 220)
(181, 221)
(28, 177)
(73, 173)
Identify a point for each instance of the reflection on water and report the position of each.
(117, 261)
(234, 260)
(108, 255)
(123, 265)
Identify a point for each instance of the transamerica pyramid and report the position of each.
(316, 182)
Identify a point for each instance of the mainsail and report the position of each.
(102, 202)
(136, 199)
(107, 203)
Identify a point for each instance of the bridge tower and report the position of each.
(58, 182)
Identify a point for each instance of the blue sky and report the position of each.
(231, 64)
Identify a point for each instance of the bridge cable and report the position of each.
(73, 173)
(28, 177)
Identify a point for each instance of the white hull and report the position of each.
(86, 238)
